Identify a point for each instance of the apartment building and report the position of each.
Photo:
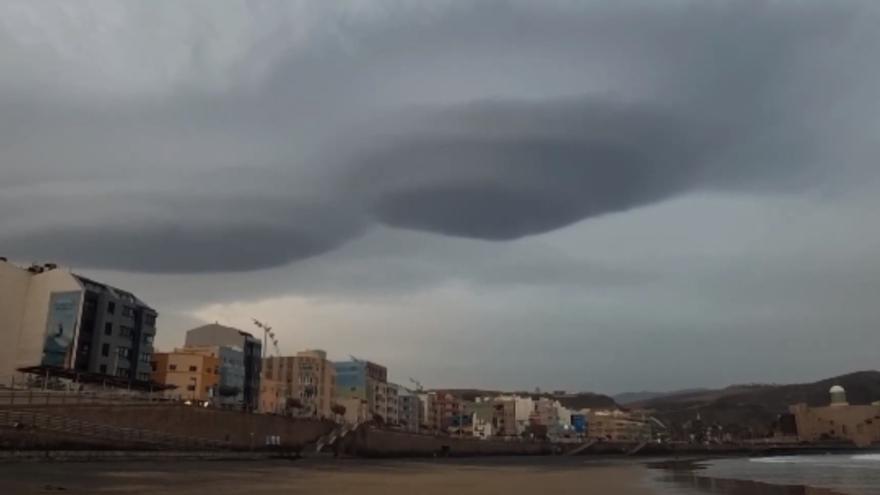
(307, 378)
(409, 409)
(231, 383)
(194, 376)
(368, 382)
(251, 347)
(57, 322)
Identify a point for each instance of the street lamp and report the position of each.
(267, 334)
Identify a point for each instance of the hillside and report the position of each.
(756, 407)
(576, 400)
(627, 398)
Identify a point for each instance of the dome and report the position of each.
(836, 389)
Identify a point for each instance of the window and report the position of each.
(148, 339)
(108, 328)
(102, 368)
(193, 368)
(122, 372)
(150, 320)
(144, 377)
(125, 331)
(111, 307)
(127, 311)
(172, 367)
(124, 352)
(145, 357)
(191, 388)
(105, 350)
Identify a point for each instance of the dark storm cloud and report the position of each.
(505, 170)
(457, 120)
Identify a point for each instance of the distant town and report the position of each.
(65, 335)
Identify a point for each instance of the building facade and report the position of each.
(72, 326)
(230, 387)
(618, 426)
(839, 421)
(409, 409)
(251, 349)
(368, 382)
(194, 376)
(308, 379)
(449, 412)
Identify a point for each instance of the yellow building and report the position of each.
(618, 426)
(194, 375)
(838, 421)
(308, 378)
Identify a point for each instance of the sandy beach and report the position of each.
(340, 478)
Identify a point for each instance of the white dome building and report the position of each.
(838, 396)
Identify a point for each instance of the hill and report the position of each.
(627, 398)
(575, 400)
(755, 407)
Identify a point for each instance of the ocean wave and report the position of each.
(785, 460)
(866, 457)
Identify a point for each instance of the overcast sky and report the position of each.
(590, 195)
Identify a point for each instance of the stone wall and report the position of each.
(241, 430)
(369, 442)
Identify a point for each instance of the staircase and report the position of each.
(582, 447)
(334, 436)
(637, 448)
(106, 433)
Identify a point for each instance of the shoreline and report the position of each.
(558, 475)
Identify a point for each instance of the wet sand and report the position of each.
(339, 478)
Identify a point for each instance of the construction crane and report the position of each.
(418, 384)
(356, 360)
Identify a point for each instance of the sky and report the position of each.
(585, 195)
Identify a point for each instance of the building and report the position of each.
(230, 386)
(273, 396)
(524, 408)
(448, 412)
(356, 410)
(309, 380)
(193, 376)
(66, 325)
(618, 426)
(427, 419)
(218, 335)
(493, 416)
(364, 381)
(409, 409)
(839, 421)
(392, 411)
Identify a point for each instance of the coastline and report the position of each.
(348, 476)
(462, 476)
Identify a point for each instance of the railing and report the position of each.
(35, 397)
(97, 431)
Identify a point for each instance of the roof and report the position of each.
(113, 291)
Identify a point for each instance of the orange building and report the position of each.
(194, 375)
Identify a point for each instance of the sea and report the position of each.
(831, 474)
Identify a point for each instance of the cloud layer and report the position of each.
(278, 133)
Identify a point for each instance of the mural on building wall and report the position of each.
(60, 327)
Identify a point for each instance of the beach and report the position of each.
(339, 478)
